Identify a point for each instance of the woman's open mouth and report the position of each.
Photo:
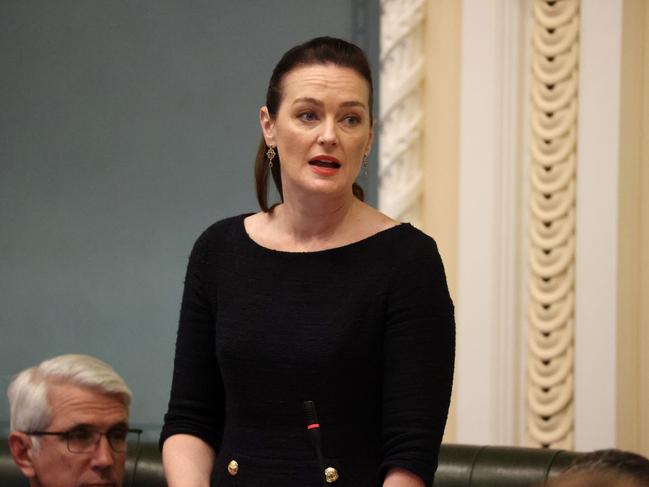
(332, 165)
(325, 165)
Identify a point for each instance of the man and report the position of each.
(69, 423)
(605, 468)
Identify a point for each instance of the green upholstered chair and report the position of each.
(459, 466)
(10, 476)
(498, 466)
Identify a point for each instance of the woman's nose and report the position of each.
(328, 134)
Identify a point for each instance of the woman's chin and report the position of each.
(317, 186)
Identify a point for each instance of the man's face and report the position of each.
(74, 407)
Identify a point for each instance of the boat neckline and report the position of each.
(370, 238)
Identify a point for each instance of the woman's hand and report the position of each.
(399, 477)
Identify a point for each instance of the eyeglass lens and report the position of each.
(86, 440)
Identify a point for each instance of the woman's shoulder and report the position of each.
(227, 225)
(404, 245)
(416, 239)
(226, 230)
(406, 238)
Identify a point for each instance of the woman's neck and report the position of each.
(313, 222)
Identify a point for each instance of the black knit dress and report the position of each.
(365, 330)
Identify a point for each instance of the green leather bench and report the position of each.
(498, 466)
(459, 466)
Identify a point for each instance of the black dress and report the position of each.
(366, 331)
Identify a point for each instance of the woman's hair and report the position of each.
(28, 392)
(321, 50)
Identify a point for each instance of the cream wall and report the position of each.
(440, 202)
(644, 249)
(418, 160)
(611, 370)
(633, 234)
(597, 203)
(490, 155)
(445, 139)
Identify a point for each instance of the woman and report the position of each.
(320, 298)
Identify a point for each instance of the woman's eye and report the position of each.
(307, 116)
(351, 120)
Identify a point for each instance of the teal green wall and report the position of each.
(126, 128)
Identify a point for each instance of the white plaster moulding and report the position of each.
(488, 377)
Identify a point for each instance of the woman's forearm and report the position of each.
(399, 477)
(187, 461)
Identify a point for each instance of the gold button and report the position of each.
(233, 467)
(331, 475)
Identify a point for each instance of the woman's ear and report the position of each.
(368, 148)
(22, 450)
(267, 126)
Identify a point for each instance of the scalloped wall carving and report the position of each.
(401, 112)
(551, 234)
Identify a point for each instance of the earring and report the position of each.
(365, 164)
(270, 153)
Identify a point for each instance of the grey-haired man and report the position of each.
(69, 423)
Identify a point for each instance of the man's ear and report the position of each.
(267, 126)
(22, 450)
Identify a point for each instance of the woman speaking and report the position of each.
(319, 300)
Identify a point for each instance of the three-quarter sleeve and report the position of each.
(418, 354)
(196, 404)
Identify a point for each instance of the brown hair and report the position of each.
(321, 50)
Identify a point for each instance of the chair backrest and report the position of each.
(10, 476)
(498, 466)
(459, 466)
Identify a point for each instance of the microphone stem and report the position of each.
(313, 428)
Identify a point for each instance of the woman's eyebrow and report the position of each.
(315, 101)
(353, 104)
(307, 99)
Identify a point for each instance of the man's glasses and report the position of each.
(85, 440)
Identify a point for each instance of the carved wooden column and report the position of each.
(551, 252)
(401, 117)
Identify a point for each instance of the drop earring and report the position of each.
(270, 153)
(365, 164)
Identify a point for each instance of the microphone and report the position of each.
(313, 429)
